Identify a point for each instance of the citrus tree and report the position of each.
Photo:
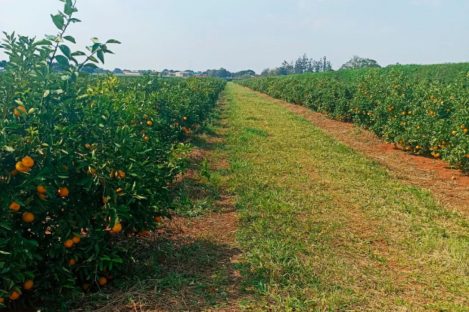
(85, 161)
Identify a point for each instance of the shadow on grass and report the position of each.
(175, 275)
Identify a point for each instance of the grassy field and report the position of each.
(324, 228)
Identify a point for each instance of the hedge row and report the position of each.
(81, 168)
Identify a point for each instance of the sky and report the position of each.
(256, 34)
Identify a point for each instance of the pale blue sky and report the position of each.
(242, 34)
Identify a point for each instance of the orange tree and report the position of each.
(84, 161)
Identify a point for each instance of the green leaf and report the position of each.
(78, 53)
(62, 60)
(58, 20)
(93, 59)
(70, 38)
(9, 149)
(43, 42)
(100, 55)
(65, 50)
(68, 8)
(113, 41)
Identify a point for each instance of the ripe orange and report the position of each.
(14, 206)
(146, 138)
(158, 219)
(15, 295)
(21, 168)
(28, 284)
(19, 110)
(102, 281)
(27, 161)
(28, 217)
(76, 239)
(2, 300)
(68, 243)
(41, 189)
(117, 228)
(63, 192)
(72, 262)
(121, 174)
(149, 123)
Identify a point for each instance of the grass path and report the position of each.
(324, 228)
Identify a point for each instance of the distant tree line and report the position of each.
(308, 65)
(302, 65)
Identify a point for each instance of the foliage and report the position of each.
(423, 109)
(302, 65)
(85, 161)
(359, 62)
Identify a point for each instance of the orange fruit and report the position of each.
(121, 174)
(149, 123)
(117, 228)
(28, 284)
(119, 191)
(2, 300)
(158, 219)
(68, 243)
(19, 110)
(76, 239)
(28, 217)
(21, 168)
(63, 192)
(102, 281)
(27, 161)
(72, 262)
(15, 295)
(41, 189)
(14, 206)
(146, 138)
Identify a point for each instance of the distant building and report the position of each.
(134, 73)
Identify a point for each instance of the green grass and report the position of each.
(324, 228)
